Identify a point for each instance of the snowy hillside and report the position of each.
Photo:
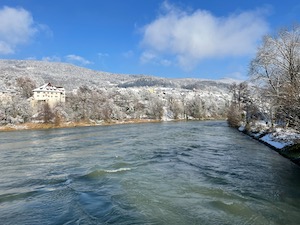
(101, 96)
(72, 77)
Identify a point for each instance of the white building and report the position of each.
(49, 94)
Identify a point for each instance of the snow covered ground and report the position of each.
(269, 139)
(281, 137)
(277, 138)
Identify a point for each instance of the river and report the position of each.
(160, 173)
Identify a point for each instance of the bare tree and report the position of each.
(234, 115)
(47, 113)
(276, 70)
(26, 86)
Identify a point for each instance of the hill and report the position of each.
(95, 96)
(71, 77)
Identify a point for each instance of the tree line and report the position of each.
(273, 91)
(112, 104)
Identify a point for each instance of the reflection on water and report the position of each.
(167, 173)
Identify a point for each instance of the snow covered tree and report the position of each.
(240, 94)
(276, 71)
(195, 108)
(17, 110)
(155, 109)
(176, 107)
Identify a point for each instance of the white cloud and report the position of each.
(51, 58)
(147, 56)
(194, 36)
(31, 58)
(16, 27)
(151, 57)
(237, 75)
(77, 59)
(101, 55)
(128, 54)
(5, 48)
(74, 59)
(166, 62)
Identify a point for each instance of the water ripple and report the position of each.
(162, 173)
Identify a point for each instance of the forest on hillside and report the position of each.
(97, 105)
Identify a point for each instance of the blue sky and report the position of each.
(191, 38)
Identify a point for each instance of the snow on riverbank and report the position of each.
(277, 138)
(269, 139)
(281, 137)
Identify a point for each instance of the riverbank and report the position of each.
(42, 126)
(285, 141)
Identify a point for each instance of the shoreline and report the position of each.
(289, 148)
(46, 126)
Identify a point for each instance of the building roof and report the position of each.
(49, 87)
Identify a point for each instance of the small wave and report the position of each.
(185, 154)
(16, 196)
(117, 170)
(100, 173)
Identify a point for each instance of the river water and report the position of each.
(161, 173)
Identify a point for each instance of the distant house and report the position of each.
(48, 94)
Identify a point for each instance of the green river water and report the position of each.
(161, 173)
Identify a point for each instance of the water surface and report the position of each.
(162, 173)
